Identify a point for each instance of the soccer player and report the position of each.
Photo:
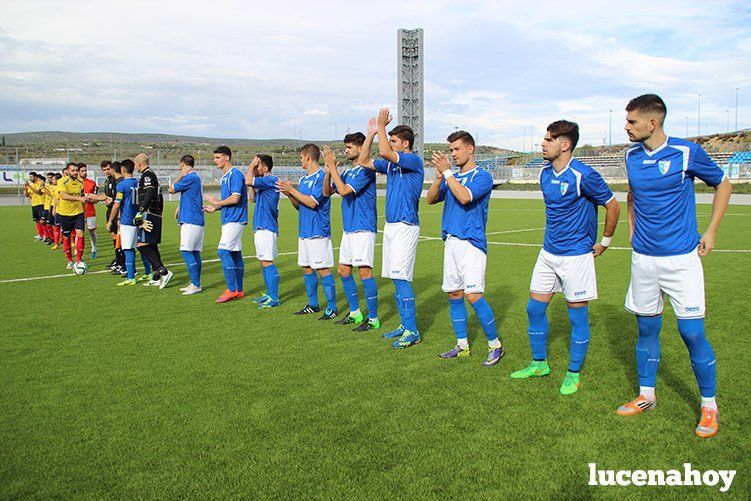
(34, 191)
(357, 187)
(466, 196)
(315, 253)
(47, 189)
(112, 171)
(89, 210)
(263, 193)
(191, 220)
(667, 249)
(56, 233)
(149, 220)
(234, 207)
(70, 212)
(572, 191)
(125, 206)
(404, 174)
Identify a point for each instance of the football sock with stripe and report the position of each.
(190, 263)
(199, 266)
(458, 313)
(228, 265)
(311, 287)
(239, 265)
(371, 296)
(407, 296)
(329, 290)
(701, 354)
(487, 320)
(130, 263)
(538, 329)
(271, 278)
(579, 318)
(350, 290)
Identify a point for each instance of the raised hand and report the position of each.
(329, 159)
(384, 117)
(284, 186)
(441, 163)
(372, 126)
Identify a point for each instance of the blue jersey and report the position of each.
(571, 199)
(359, 208)
(127, 194)
(467, 222)
(662, 183)
(266, 212)
(403, 187)
(314, 223)
(191, 199)
(233, 183)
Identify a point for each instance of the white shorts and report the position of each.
(232, 237)
(128, 236)
(316, 253)
(191, 237)
(680, 277)
(463, 266)
(91, 223)
(574, 275)
(358, 249)
(265, 242)
(399, 250)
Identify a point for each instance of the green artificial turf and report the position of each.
(108, 392)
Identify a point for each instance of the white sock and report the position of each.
(647, 392)
(709, 402)
(496, 343)
(93, 236)
(354, 313)
(462, 343)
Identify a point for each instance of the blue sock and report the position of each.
(199, 267)
(398, 301)
(579, 318)
(701, 353)
(407, 296)
(311, 288)
(190, 263)
(237, 260)
(271, 277)
(350, 290)
(458, 313)
(228, 267)
(371, 296)
(329, 290)
(648, 349)
(146, 264)
(538, 329)
(486, 317)
(130, 263)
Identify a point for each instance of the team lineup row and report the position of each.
(666, 258)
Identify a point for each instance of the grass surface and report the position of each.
(144, 393)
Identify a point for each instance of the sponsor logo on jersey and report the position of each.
(648, 161)
(564, 187)
(664, 166)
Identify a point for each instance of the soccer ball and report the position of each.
(80, 268)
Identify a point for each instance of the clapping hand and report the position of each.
(441, 163)
(285, 186)
(329, 159)
(211, 199)
(384, 117)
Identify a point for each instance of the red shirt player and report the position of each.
(89, 211)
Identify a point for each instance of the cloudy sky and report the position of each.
(273, 69)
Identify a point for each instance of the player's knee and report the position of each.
(324, 272)
(456, 295)
(536, 308)
(365, 272)
(473, 297)
(344, 271)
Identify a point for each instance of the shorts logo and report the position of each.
(579, 293)
(564, 187)
(664, 166)
(692, 309)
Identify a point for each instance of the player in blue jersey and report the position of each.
(234, 208)
(265, 195)
(357, 187)
(667, 249)
(126, 206)
(572, 191)
(189, 215)
(404, 178)
(315, 253)
(466, 196)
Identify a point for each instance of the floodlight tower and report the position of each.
(410, 78)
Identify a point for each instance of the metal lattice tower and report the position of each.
(410, 78)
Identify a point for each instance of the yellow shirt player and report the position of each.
(33, 190)
(70, 211)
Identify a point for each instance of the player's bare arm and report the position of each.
(332, 171)
(630, 210)
(364, 160)
(720, 203)
(285, 187)
(612, 214)
(435, 187)
(443, 165)
(384, 147)
(233, 199)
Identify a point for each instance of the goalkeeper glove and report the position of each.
(138, 219)
(147, 225)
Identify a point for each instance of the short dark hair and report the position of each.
(189, 160)
(69, 164)
(224, 150)
(463, 135)
(266, 160)
(117, 167)
(649, 103)
(32, 173)
(564, 128)
(58, 176)
(405, 133)
(81, 165)
(128, 166)
(105, 163)
(356, 138)
(50, 174)
(312, 151)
